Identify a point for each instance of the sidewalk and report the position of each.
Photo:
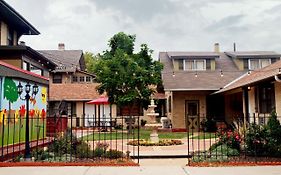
(142, 170)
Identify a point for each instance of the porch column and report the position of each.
(246, 105)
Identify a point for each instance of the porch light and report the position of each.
(174, 74)
(196, 75)
(221, 73)
(35, 89)
(279, 72)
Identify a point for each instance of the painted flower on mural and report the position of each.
(17, 116)
(22, 110)
(36, 112)
(32, 101)
(31, 113)
(3, 117)
(43, 114)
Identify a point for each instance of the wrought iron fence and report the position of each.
(254, 138)
(60, 139)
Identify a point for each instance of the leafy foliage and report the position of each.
(265, 140)
(127, 77)
(90, 61)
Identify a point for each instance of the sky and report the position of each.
(165, 25)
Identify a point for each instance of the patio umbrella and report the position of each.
(99, 101)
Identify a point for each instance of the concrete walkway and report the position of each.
(142, 170)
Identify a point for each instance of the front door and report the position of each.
(192, 115)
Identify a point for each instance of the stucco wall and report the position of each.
(178, 106)
(4, 33)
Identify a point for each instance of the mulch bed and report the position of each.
(219, 164)
(240, 161)
(27, 164)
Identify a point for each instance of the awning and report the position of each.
(99, 101)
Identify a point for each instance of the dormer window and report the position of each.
(194, 64)
(258, 63)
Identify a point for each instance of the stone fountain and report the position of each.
(152, 114)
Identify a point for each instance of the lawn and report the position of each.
(144, 134)
(15, 132)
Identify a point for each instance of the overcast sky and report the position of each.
(165, 25)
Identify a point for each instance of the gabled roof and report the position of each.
(209, 80)
(180, 55)
(253, 54)
(66, 60)
(10, 50)
(8, 70)
(84, 92)
(12, 17)
(254, 77)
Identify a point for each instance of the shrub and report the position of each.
(143, 122)
(208, 125)
(231, 138)
(264, 140)
(114, 154)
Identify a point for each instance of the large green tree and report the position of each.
(90, 61)
(128, 78)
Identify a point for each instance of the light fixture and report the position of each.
(35, 89)
(27, 88)
(20, 88)
(279, 72)
(221, 73)
(249, 72)
(196, 75)
(174, 74)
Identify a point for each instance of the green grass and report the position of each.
(144, 134)
(15, 132)
(207, 135)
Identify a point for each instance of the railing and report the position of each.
(53, 140)
(255, 139)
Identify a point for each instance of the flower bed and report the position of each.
(164, 142)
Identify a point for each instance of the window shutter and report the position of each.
(246, 65)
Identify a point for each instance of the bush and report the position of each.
(231, 138)
(208, 125)
(223, 150)
(264, 141)
(143, 122)
(114, 154)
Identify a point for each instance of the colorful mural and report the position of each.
(13, 111)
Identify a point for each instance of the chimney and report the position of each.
(22, 43)
(234, 47)
(217, 47)
(61, 46)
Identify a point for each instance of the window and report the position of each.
(74, 79)
(36, 70)
(10, 37)
(258, 63)
(195, 65)
(57, 78)
(26, 66)
(88, 79)
(180, 64)
(266, 98)
(82, 79)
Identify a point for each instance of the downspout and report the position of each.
(277, 79)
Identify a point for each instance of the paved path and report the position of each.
(143, 170)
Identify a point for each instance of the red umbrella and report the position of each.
(100, 100)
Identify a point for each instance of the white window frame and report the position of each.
(194, 65)
(259, 60)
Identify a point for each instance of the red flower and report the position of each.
(22, 110)
(31, 113)
(43, 114)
